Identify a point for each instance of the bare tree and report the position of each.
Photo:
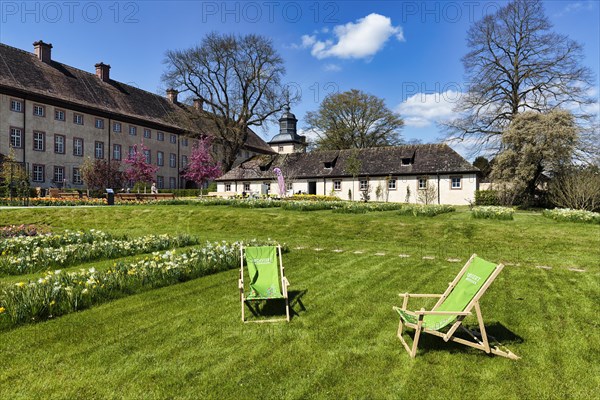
(238, 81)
(354, 119)
(515, 64)
(577, 188)
(428, 195)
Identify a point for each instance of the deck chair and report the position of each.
(267, 279)
(453, 306)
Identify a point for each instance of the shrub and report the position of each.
(493, 212)
(566, 214)
(486, 198)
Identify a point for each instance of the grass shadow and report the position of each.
(276, 307)
(498, 335)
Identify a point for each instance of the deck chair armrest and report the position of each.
(240, 284)
(285, 281)
(465, 313)
(419, 295)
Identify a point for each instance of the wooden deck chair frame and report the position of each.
(480, 341)
(284, 289)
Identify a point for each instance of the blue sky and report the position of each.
(406, 52)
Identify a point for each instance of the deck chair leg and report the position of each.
(484, 338)
(243, 310)
(413, 352)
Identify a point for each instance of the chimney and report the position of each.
(43, 51)
(198, 104)
(172, 95)
(103, 71)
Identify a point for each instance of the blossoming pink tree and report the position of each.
(202, 167)
(139, 169)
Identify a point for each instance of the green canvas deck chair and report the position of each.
(452, 308)
(267, 279)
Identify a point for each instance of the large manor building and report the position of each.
(54, 116)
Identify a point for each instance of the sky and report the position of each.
(406, 52)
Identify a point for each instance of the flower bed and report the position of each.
(493, 212)
(59, 293)
(30, 243)
(51, 201)
(425, 210)
(567, 214)
(41, 258)
(362, 208)
(18, 231)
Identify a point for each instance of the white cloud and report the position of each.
(360, 39)
(332, 67)
(424, 109)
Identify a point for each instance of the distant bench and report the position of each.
(225, 195)
(71, 195)
(143, 196)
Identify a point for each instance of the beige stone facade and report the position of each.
(56, 140)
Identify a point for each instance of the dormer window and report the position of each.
(406, 161)
(328, 164)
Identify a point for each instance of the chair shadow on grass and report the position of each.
(276, 307)
(498, 335)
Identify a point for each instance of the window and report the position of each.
(172, 160)
(456, 182)
(38, 173)
(160, 158)
(39, 111)
(173, 139)
(184, 142)
(422, 183)
(392, 184)
(16, 137)
(99, 149)
(16, 105)
(228, 187)
(59, 174)
(59, 144)
(116, 127)
(148, 156)
(246, 187)
(280, 149)
(172, 183)
(289, 186)
(160, 136)
(77, 176)
(406, 161)
(39, 141)
(337, 185)
(99, 123)
(116, 152)
(132, 130)
(78, 119)
(59, 115)
(78, 147)
(364, 185)
(160, 182)
(184, 161)
(147, 133)
(130, 152)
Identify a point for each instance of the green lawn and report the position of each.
(187, 341)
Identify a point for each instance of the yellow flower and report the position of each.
(2, 309)
(20, 284)
(52, 302)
